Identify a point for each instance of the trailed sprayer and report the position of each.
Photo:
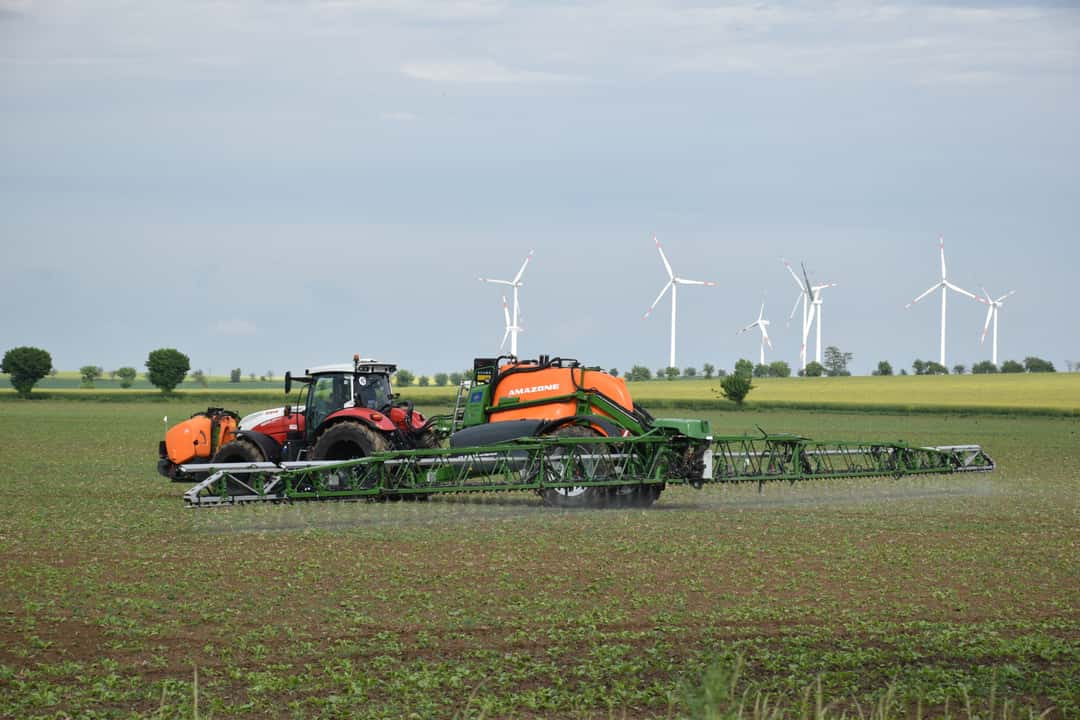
(570, 433)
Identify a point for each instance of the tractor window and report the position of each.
(329, 393)
(372, 391)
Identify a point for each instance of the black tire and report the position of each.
(347, 441)
(239, 451)
(573, 497)
(427, 439)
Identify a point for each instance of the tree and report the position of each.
(761, 370)
(690, 372)
(883, 368)
(744, 367)
(424, 381)
(661, 373)
(251, 376)
(234, 375)
(26, 365)
(903, 371)
(1011, 366)
(613, 372)
(836, 362)
(166, 368)
(441, 379)
(1036, 364)
(935, 368)
(456, 378)
(984, 367)
(958, 369)
(814, 369)
(127, 376)
(270, 375)
(112, 374)
(736, 387)
(638, 373)
(89, 374)
(671, 373)
(919, 367)
(779, 368)
(708, 369)
(404, 378)
(199, 377)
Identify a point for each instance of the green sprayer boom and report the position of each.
(629, 467)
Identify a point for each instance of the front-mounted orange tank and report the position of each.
(530, 382)
(199, 437)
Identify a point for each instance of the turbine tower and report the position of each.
(509, 325)
(761, 324)
(992, 314)
(810, 296)
(674, 281)
(515, 327)
(944, 285)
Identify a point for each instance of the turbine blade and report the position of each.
(795, 307)
(506, 311)
(659, 297)
(517, 278)
(960, 290)
(495, 282)
(761, 312)
(740, 332)
(1002, 298)
(941, 246)
(667, 265)
(505, 336)
(793, 275)
(807, 278)
(989, 300)
(765, 336)
(932, 289)
(986, 326)
(682, 281)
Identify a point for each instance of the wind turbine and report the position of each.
(761, 323)
(992, 314)
(674, 281)
(515, 327)
(944, 285)
(810, 295)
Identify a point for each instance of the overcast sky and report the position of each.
(274, 185)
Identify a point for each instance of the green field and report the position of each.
(932, 592)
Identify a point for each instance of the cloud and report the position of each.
(478, 72)
(236, 328)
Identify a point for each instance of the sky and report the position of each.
(277, 185)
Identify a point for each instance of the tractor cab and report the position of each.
(329, 389)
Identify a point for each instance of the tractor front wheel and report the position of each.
(239, 451)
(348, 441)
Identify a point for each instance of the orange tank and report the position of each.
(519, 384)
(194, 438)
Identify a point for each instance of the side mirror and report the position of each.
(288, 382)
(395, 396)
(288, 410)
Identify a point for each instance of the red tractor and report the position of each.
(342, 412)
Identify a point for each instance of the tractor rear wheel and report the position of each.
(568, 462)
(348, 441)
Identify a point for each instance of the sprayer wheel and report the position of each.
(573, 497)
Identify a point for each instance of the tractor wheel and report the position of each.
(347, 441)
(239, 451)
(566, 460)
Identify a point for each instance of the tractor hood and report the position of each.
(252, 421)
